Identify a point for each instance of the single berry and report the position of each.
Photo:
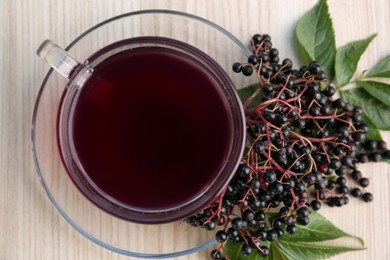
(382, 145)
(246, 250)
(252, 59)
(356, 175)
(237, 67)
(315, 204)
(303, 212)
(272, 235)
(291, 229)
(257, 38)
(371, 145)
(375, 157)
(221, 236)
(215, 254)
(264, 251)
(356, 192)
(270, 176)
(237, 223)
(247, 70)
(367, 197)
(364, 182)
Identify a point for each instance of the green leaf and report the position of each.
(380, 91)
(296, 250)
(347, 58)
(377, 112)
(319, 229)
(316, 37)
(382, 69)
(233, 250)
(247, 92)
(373, 133)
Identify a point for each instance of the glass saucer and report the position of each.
(98, 226)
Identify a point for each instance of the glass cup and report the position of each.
(99, 226)
(79, 74)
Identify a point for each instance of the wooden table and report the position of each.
(30, 228)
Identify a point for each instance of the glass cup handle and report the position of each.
(57, 58)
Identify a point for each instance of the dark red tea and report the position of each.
(151, 128)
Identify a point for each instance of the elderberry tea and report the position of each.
(150, 129)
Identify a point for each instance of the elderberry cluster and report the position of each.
(304, 146)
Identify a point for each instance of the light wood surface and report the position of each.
(30, 228)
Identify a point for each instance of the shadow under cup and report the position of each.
(150, 129)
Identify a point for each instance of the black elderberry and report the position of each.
(270, 116)
(382, 145)
(315, 204)
(364, 182)
(273, 52)
(339, 201)
(257, 38)
(270, 176)
(325, 110)
(314, 111)
(300, 123)
(310, 179)
(221, 236)
(343, 189)
(243, 170)
(237, 67)
(304, 221)
(339, 103)
(216, 254)
(359, 137)
(291, 229)
(277, 223)
(272, 235)
(375, 157)
(262, 234)
(287, 64)
(281, 78)
(341, 181)
(356, 175)
(329, 91)
(248, 215)
(303, 212)
(279, 231)
(289, 220)
(232, 233)
(268, 44)
(247, 70)
(276, 188)
(346, 160)
(260, 127)
(363, 127)
(348, 107)
(386, 154)
(237, 223)
(367, 197)
(362, 158)
(252, 59)
(268, 88)
(246, 250)
(356, 192)
(260, 216)
(259, 147)
(264, 251)
(371, 145)
(254, 183)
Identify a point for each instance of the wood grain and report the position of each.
(30, 228)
